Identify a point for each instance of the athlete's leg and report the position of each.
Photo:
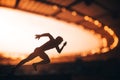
(45, 60)
(30, 57)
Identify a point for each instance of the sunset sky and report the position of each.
(18, 30)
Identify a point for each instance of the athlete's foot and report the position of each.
(34, 66)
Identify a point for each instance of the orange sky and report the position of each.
(17, 30)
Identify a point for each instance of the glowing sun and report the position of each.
(17, 30)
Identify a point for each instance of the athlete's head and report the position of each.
(59, 39)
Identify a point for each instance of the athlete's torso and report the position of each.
(49, 45)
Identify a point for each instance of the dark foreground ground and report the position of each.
(79, 70)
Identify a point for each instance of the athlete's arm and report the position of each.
(45, 34)
(60, 49)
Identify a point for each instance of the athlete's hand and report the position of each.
(37, 36)
(65, 43)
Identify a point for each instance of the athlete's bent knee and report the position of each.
(47, 61)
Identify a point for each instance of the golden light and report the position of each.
(116, 40)
(87, 18)
(55, 7)
(110, 31)
(18, 30)
(104, 42)
(97, 23)
(74, 13)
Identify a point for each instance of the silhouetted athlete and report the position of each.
(40, 51)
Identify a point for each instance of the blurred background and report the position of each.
(91, 28)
